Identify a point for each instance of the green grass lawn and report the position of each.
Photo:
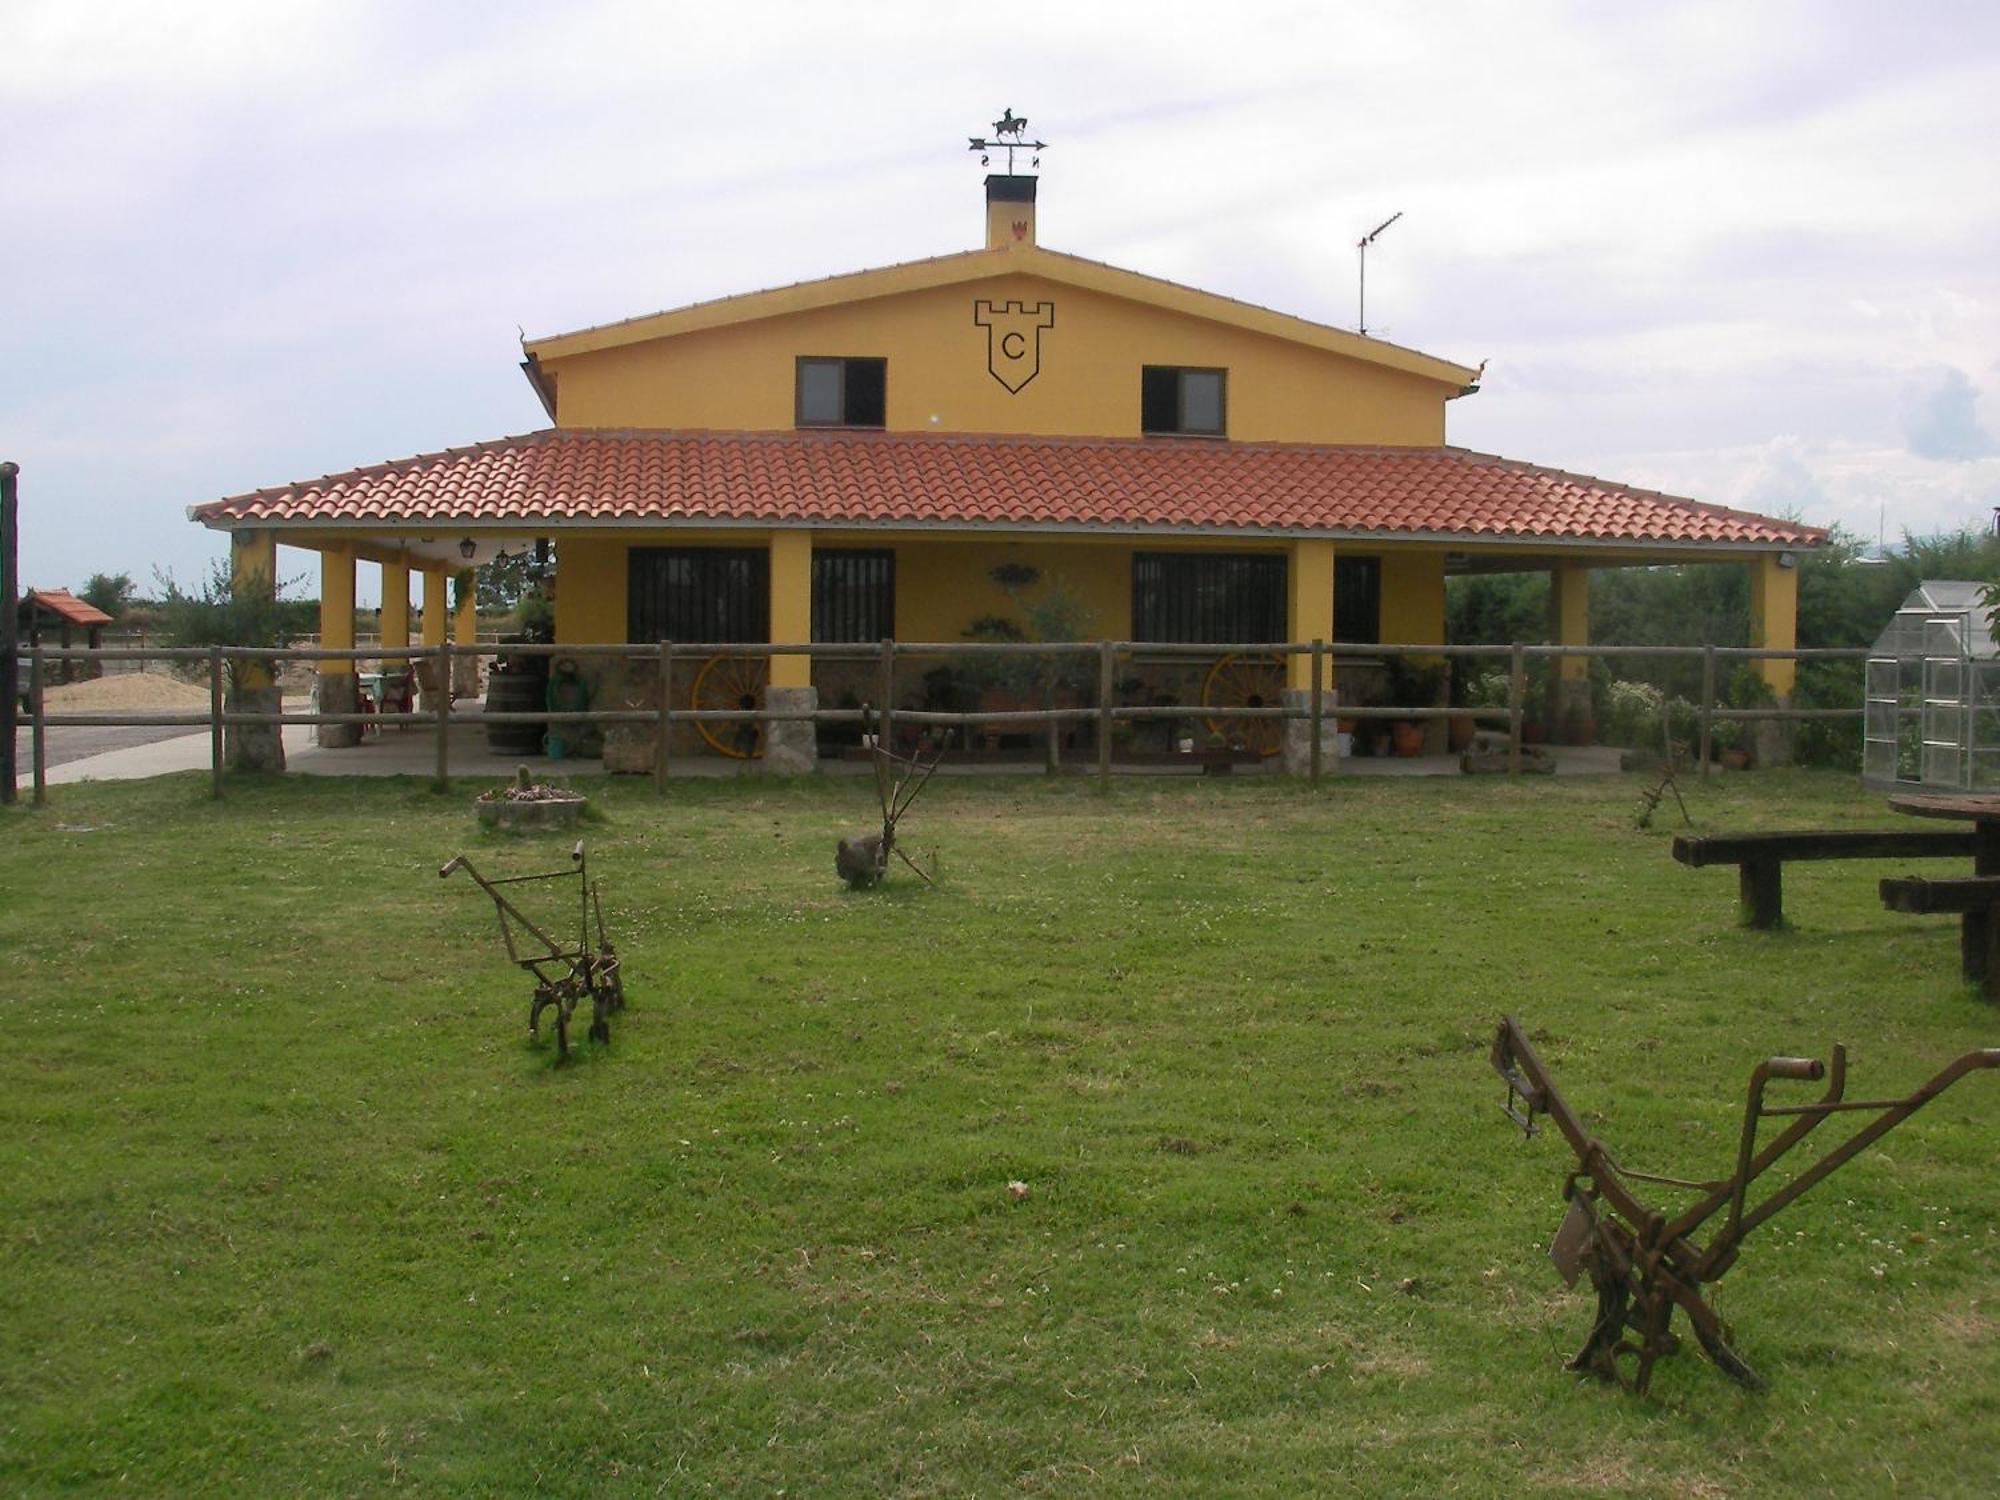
(291, 1205)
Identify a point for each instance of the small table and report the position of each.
(1981, 811)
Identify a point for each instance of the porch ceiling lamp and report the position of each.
(466, 548)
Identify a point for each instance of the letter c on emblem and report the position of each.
(1013, 346)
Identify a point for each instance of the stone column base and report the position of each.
(1771, 739)
(339, 693)
(255, 747)
(791, 747)
(1296, 747)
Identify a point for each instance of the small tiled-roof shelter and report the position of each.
(848, 459)
(56, 616)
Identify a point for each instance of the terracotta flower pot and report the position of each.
(1407, 737)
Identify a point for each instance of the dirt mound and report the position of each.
(123, 690)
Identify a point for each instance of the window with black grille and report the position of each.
(1357, 601)
(1177, 400)
(1208, 597)
(854, 595)
(698, 594)
(842, 392)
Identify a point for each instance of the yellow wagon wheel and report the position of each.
(731, 682)
(1245, 681)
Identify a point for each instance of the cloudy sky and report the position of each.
(1743, 251)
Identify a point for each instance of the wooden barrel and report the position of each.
(515, 693)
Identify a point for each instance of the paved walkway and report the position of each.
(413, 752)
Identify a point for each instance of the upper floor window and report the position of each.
(1176, 399)
(842, 392)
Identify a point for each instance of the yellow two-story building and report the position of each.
(857, 458)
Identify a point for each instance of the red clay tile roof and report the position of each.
(888, 479)
(63, 602)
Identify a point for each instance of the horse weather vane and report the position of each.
(1009, 135)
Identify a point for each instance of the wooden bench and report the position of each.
(1760, 858)
(1976, 899)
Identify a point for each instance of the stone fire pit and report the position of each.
(529, 806)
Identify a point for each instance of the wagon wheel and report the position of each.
(1239, 681)
(731, 682)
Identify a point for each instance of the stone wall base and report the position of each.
(255, 747)
(339, 693)
(791, 747)
(1296, 746)
(1771, 740)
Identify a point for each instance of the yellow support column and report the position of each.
(1308, 617)
(1569, 625)
(791, 604)
(337, 682)
(336, 607)
(253, 570)
(1309, 608)
(789, 745)
(395, 606)
(465, 619)
(253, 574)
(1774, 618)
(465, 632)
(435, 607)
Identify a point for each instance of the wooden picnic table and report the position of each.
(1981, 811)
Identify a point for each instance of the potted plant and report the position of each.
(1412, 684)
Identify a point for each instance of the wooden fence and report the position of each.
(671, 658)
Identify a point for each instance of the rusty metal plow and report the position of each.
(564, 974)
(1644, 1262)
(863, 859)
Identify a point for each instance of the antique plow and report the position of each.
(564, 975)
(1644, 1262)
(862, 859)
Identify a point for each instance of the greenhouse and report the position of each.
(1933, 693)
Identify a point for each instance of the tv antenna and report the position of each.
(1361, 313)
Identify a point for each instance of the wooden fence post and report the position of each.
(1517, 693)
(1318, 706)
(215, 720)
(1707, 735)
(884, 731)
(39, 736)
(1104, 717)
(666, 712)
(446, 670)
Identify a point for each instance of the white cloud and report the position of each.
(1725, 249)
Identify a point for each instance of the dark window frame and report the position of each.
(1152, 379)
(682, 594)
(1357, 600)
(1190, 598)
(840, 617)
(863, 404)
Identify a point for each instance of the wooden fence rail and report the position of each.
(889, 657)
